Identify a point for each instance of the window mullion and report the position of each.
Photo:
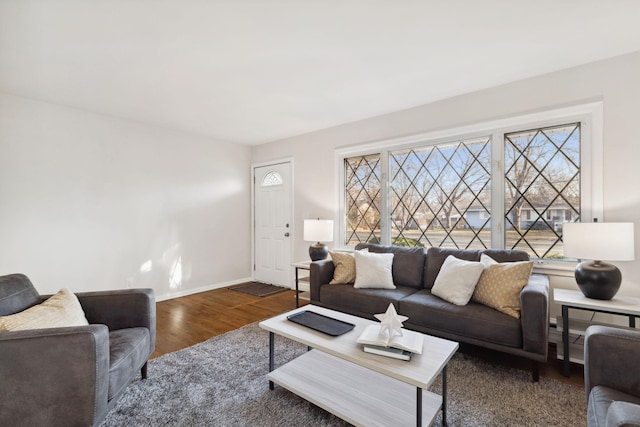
(385, 200)
(497, 190)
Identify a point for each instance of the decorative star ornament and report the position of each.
(391, 322)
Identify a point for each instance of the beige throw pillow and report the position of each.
(61, 310)
(500, 285)
(344, 265)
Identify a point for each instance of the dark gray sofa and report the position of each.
(414, 271)
(72, 376)
(611, 378)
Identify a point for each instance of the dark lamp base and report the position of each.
(318, 252)
(598, 280)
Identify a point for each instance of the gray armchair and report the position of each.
(72, 376)
(612, 376)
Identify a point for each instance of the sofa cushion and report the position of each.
(600, 399)
(408, 263)
(500, 285)
(456, 280)
(373, 270)
(436, 257)
(61, 310)
(16, 294)
(373, 301)
(473, 320)
(128, 351)
(506, 255)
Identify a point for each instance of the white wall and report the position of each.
(614, 81)
(86, 200)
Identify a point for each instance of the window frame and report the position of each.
(590, 115)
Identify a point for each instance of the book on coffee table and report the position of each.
(409, 341)
(394, 353)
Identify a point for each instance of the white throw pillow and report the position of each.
(487, 261)
(61, 310)
(457, 280)
(344, 266)
(373, 270)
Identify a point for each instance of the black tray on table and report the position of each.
(322, 323)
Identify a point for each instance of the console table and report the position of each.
(619, 305)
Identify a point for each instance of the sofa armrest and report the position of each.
(623, 414)
(320, 273)
(534, 315)
(121, 309)
(59, 374)
(611, 359)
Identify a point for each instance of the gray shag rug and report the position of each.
(221, 382)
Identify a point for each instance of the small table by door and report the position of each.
(302, 265)
(619, 305)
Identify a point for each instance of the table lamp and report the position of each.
(598, 241)
(318, 230)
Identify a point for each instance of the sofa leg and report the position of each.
(535, 371)
(143, 371)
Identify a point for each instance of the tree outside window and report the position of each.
(440, 195)
(362, 199)
(542, 174)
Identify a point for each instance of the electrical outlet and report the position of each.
(129, 282)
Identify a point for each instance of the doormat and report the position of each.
(257, 289)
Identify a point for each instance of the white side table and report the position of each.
(619, 305)
(302, 265)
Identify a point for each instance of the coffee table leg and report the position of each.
(270, 357)
(419, 407)
(444, 396)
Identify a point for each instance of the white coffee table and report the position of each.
(361, 388)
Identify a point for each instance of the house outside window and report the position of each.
(510, 187)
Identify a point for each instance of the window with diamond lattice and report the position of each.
(362, 199)
(542, 176)
(272, 178)
(440, 195)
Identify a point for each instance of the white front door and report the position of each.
(272, 225)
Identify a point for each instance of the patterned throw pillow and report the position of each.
(344, 265)
(500, 285)
(61, 310)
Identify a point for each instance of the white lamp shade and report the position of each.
(318, 230)
(602, 241)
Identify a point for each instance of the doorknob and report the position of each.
(286, 234)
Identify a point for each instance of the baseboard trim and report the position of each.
(184, 293)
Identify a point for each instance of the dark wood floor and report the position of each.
(185, 321)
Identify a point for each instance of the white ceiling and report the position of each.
(256, 71)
